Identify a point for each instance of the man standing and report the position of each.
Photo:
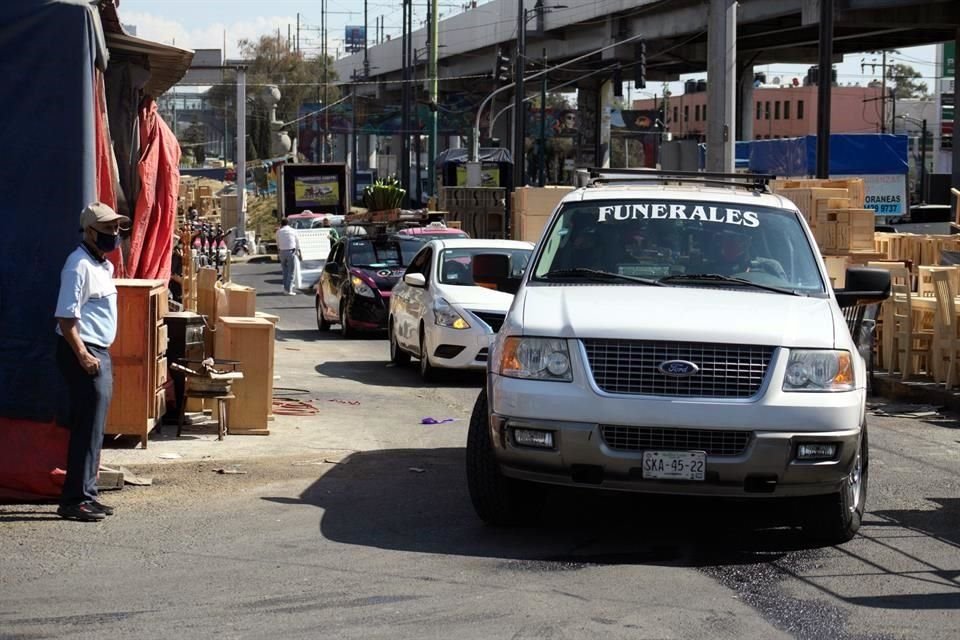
(288, 245)
(87, 325)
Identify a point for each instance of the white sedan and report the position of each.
(438, 314)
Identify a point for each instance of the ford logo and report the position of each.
(678, 368)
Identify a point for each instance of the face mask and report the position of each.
(107, 242)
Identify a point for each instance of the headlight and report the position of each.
(536, 359)
(819, 370)
(447, 316)
(360, 287)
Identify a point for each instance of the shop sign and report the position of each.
(949, 61)
(885, 194)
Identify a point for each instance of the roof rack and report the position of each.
(594, 176)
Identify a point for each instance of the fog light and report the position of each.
(533, 438)
(816, 451)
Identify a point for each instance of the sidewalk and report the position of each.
(915, 391)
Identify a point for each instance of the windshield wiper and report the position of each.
(599, 276)
(716, 277)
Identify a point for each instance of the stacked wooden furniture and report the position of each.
(249, 341)
(139, 359)
(532, 207)
(946, 333)
(834, 211)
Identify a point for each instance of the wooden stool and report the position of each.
(221, 410)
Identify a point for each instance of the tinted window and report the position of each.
(364, 252)
(656, 239)
(456, 265)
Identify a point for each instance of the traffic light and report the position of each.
(501, 66)
(617, 83)
(640, 65)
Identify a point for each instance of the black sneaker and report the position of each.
(105, 508)
(84, 512)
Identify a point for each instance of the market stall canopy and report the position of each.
(168, 64)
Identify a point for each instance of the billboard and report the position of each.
(355, 38)
(316, 191)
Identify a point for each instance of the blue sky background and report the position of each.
(205, 24)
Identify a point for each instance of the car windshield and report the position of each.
(456, 265)
(680, 243)
(302, 223)
(442, 235)
(373, 253)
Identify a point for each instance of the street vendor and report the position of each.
(87, 325)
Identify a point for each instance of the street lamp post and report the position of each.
(518, 94)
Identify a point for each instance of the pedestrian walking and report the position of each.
(288, 245)
(86, 327)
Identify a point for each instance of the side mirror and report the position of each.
(492, 270)
(864, 284)
(415, 280)
(332, 268)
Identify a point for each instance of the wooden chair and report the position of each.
(909, 341)
(836, 270)
(925, 273)
(899, 274)
(946, 341)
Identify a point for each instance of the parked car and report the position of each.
(439, 315)
(355, 285)
(432, 231)
(677, 339)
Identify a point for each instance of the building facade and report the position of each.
(777, 112)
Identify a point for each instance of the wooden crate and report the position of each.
(532, 208)
(850, 229)
(806, 198)
(251, 342)
(241, 300)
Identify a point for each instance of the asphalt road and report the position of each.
(385, 544)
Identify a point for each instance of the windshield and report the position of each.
(369, 253)
(680, 243)
(302, 223)
(456, 265)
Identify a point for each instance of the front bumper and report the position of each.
(368, 314)
(767, 467)
(458, 348)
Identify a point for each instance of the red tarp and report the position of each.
(151, 242)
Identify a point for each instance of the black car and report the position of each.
(354, 287)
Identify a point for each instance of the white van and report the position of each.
(676, 335)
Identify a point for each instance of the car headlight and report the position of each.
(447, 316)
(360, 287)
(536, 359)
(819, 370)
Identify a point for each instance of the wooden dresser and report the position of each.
(250, 341)
(139, 358)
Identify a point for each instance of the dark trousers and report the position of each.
(89, 398)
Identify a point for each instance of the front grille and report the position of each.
(448, 351)
(483, 354)
(631, 367)
(714, 442)
(494, 320)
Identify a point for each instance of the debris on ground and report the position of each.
(352, 403)
(293, 407)
(169, 456)
(417, 470)
(429, 420)
(129, 477)
(229, 471)
(907, 410)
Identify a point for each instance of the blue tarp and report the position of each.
(48, 52)
(850, 154)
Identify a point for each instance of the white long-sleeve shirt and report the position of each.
(287, 239)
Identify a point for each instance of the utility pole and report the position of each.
(241, 151)
(721, 89)
(434, 95)
(518, 94)
(298, 32)
(542, 173)
(366, 39)
(824, 88)
(404, 159)
(326, 62)
(923, 162)
(883, 92)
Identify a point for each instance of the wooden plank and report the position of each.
(250, 341)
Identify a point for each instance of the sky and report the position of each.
(206, 24)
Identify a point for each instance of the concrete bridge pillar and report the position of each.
(745, 106)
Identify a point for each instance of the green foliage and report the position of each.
(906, 83)
(384, 194)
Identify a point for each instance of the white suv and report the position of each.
(676, 335)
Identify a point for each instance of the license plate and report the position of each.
(674, 465)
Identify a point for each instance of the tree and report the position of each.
(193, 141)
(299, 78)
(906, 81)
